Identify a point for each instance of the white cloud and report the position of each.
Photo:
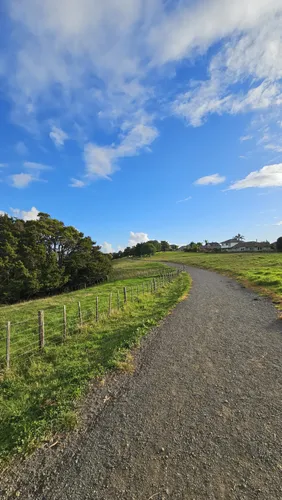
(137, 238)
(268, 176)
(76, 183)
(21, 148)
(2, 212)
(58, 136)
(96, 64)
(3, 165)
(36, 166)
(210, 179)
(31, 214)
(22, 180)
(278, 223)
(102, 161)
(246, 138)
(197, 25)
(245, 73)
(107, 247)
(185, 199)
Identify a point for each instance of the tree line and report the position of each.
(43, 256)
(145, 249)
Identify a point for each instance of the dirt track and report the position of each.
(200, 418)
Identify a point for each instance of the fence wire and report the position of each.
(54, 324)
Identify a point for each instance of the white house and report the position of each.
(228, 244)
(251, 246)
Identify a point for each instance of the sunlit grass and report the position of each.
(38, 395)
(260, 271)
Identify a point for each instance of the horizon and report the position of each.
(144, 120)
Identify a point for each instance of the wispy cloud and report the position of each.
(76, 183)
(102, 65)
(278, 223)
(246, 138)
(102, 161)
(21, 148)
(213, 179)
(3, 165)
(268, 176)
(58, 136)
(185, 199)
(22, 180)
(251, 54)
(31, 165)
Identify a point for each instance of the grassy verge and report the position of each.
(38, 396)
(262, 272)
(134, 268)
(24, 316)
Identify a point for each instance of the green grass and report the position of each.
(39, 395)
(23, 316)
(262, 272)
(133, 268)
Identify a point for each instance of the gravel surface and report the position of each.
(199, 419)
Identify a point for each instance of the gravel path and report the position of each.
(200, 418)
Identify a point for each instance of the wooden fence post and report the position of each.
(80, 314)
(8, 344)
(64, 323)
(97, 309)
(154, 282)
(110, 304)
(124, 295)
(41, 339)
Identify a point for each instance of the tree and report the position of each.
(239, 237)
(42, 256)
(173, 247)
(148, 248)
(165, 246)
(279, 244)
(156, 244)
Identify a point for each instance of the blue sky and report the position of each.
(143, 119)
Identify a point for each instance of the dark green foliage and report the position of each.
(43, 256)
(140, 250)
(165, 246)
(279, 244)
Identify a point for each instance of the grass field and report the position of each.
(24, 316)
(128, 268)
(39, 394)
(262, 272)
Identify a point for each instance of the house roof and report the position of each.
(233, 240)
(212, 244)
(252, 244)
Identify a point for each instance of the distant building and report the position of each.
(226, 245)
(251, 246)
(209, 247)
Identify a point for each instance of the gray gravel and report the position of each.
(199, 419)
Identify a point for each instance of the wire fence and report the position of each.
(53, 325)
